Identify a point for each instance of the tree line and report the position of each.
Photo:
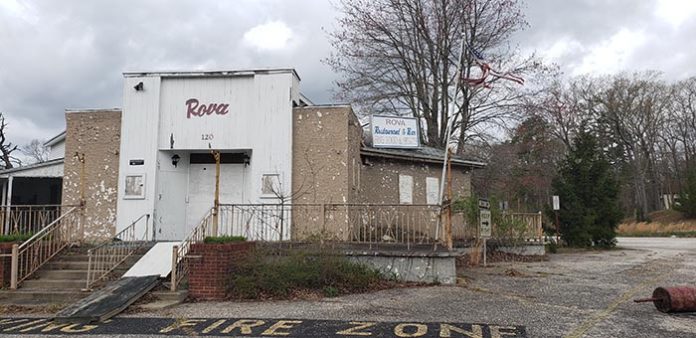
(400, 57)
(645, 125)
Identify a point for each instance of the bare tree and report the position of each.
(630, 113)
(399, 57)
(36, 151)
(565, 105)
(7, 148)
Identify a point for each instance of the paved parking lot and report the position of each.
(583, 294)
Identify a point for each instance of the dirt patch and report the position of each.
(22, 309)
(467, 261)
(316, 294)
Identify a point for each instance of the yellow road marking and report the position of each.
(595, 319)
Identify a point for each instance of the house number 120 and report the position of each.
(206, 137)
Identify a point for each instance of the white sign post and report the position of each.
(394, 132)
(556, 207)
(484, 224)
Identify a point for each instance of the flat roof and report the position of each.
(53, 162)
(213, 73)
(423, 154)
(55, 139)
(91, 110)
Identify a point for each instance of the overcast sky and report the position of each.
(70, 54)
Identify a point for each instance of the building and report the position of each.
(155, 154)
(31, 194)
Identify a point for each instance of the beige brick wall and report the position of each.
(326, 160)
(380, 180)
(96, 134)
(328, 169)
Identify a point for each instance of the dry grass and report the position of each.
(663, 223)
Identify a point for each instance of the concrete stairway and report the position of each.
(62, 279)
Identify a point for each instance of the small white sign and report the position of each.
(556, 202)
(485, 222)
(484, 204)
(394, 132)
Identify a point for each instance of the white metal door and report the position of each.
(170, 215)
(202, 188)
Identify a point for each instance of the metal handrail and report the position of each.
(28, 219)
(179, 252)
(42, 246)
(107, 256)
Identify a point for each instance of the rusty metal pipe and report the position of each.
(673, 299)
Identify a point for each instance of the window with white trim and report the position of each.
(270, 185)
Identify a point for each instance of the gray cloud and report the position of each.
(70, 54)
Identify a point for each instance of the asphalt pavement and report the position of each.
(578, 294)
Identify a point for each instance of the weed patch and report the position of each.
(223, 239)
(15, 237)
(262, 277)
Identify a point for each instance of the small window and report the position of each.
(270, 184)
(135, 187)
(405, 189)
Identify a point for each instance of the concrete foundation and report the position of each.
(524, 250)
(423, 267)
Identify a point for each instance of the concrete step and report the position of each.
(63, 265)
(74, 264)
(40, 297)
(176, 296)
(54, 284)
(85, 258)
(62, 274)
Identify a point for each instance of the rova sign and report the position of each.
(194, 108)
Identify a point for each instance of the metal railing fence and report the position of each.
(28, 219)
(107, 256)
(371, 224)
(362, 223)
(180, 252)
(518, 227)
(43, 245)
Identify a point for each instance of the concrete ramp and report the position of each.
(157, 261)
(109, 301)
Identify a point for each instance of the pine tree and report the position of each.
(588, 192)
(687, 198)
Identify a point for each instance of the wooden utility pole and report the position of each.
(448, 212)
(81, 157)
(83, 201)
(216, 202)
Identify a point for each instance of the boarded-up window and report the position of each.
(135, 187)
(405, 189)
(432, 189)
(270, 184)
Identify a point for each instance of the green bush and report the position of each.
(223, 239)
(507, 228)
(330, 291)
(15, 237)
(278, 276)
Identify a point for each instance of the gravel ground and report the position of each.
(583, 294)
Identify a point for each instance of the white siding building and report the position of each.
(170, 123)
